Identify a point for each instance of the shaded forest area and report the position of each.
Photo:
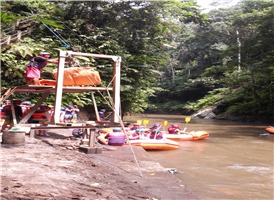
(175, 59)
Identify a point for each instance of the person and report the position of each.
(155, 126)
(174, 129)
(68, 114)
(62, 114)
(102, 114)
(35, 66)
(156, 134)
(136, 135)
(75, 113)
(8, 114)
(135, 126)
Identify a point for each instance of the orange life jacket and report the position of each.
(38, 115)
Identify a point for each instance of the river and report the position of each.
(234, 162)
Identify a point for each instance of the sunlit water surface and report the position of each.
(234, 162)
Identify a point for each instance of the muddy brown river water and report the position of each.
(234, 162)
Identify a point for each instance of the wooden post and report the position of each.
(29, 31)
(59, 86)
(8, 39)
(13, 111)
(95, 107)
(17, 22)
(19, 34)
(91, 138)
(116, 89)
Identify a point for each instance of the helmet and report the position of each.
(175, 126)
(117, 130)
(63, 108)
(137, 130)
(154, 131)
(136, 124)
(103, 110)
(44, 53)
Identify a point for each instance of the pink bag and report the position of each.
(32, 72)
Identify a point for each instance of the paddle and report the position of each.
(145, 122)
(187, 120)
(139, 122)
(156, 132)
(164, 124)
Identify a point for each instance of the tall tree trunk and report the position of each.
(239, 52)
(255, 96)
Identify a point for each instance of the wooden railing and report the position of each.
(14, 33)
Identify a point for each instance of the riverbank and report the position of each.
(53, 168)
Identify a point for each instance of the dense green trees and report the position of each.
(173, 57)
(229, 59)
(135, 30)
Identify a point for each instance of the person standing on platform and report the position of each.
(35, 66)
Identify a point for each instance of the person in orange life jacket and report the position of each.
(35, 66)
(135, 126)
(158, 133)
(102, 114)
(8, 114)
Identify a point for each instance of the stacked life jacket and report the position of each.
(117, 137)
(39, 115)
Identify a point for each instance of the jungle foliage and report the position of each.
(173, 57)
(228, 60)
(134, 30)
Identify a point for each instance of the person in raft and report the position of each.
(35, 66)
(134, 127)
(175, 129)
(156, 134)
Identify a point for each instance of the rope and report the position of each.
(111, 105)
(66, 45)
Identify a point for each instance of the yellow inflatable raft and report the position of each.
(198, 135)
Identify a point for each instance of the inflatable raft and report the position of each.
(270, 129)
(159, 144)
(198, 135)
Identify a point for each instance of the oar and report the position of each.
(164, 124)
(139, 122)
(187, 120)
(145, 123)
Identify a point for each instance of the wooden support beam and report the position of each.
(13, 111)
(116, 90)
(91, 137)
(95, 107)
(41, 100)
(59, 86)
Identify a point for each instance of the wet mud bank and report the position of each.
(54, 168)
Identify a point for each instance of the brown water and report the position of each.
(234, 162)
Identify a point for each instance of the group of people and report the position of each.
(42, 114)
(137, 131)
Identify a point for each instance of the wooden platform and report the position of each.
(52, 89)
